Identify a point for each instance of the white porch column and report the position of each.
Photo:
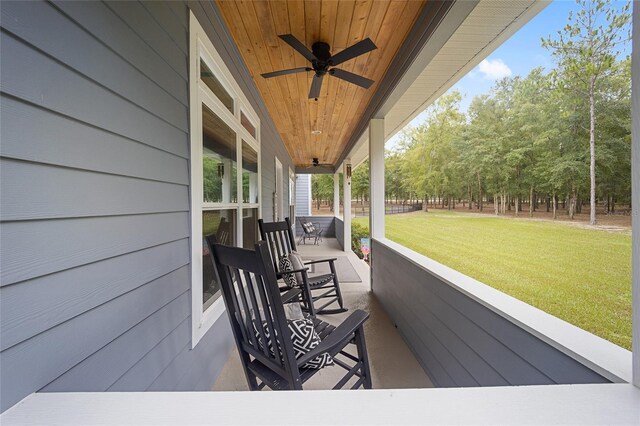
(376, 177)
(346, 200)
(336, 194)
(635, 191)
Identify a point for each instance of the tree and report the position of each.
(322, 189)
(360, 182)
(586, 52)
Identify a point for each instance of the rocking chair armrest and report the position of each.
(311, 262)
(341, 334)
(291, 295)
(279, 274)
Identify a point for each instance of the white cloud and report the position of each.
(494, 70)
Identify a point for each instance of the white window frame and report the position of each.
(200, 47)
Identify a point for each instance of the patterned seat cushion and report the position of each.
(304, 338)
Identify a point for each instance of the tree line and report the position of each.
(560, 138)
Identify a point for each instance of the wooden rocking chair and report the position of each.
(310, 230)
(255, 308)
(324, 290)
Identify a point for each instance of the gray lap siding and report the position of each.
(94, 183)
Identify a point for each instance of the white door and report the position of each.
(278, 194)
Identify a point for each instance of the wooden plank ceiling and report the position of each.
(255, 26)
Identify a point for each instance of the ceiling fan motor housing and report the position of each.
(322, 51)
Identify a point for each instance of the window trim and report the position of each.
(201, 48)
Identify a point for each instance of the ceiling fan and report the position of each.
(322, 62)
(315, 163)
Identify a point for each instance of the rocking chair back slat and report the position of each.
(253, 319)
(244, 320)
(279, 237)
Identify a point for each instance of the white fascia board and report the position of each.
(611, 404)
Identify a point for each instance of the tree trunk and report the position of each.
(548, 202)
(495, 203)
(592, 148)
(531, 202)
(479, 192)
(517, 205)
(555, 205)
(572, 204)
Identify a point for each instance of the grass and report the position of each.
(580, 275)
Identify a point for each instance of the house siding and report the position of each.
(303, 195)
(94, 182)
(457, 340)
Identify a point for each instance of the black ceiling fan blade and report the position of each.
(314, 93)
(298, 46)
(351, 77)
(285, 72)
(360, 48)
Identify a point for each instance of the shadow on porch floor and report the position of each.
(393, 366)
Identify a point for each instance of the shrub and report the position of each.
(358, 231)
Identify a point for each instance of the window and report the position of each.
(247, 124)
(218, 159)
(225, 172)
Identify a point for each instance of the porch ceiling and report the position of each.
(255, 27)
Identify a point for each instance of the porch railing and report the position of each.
(465, 333)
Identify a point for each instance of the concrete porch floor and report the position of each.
(393, 366)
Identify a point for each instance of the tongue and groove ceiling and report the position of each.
(255, 26)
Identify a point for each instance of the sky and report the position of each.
(517, 56)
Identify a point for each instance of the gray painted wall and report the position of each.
(303, 195)
(460, 342)
(94, 211)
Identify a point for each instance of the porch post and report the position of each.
(336, 194)
(376, 177)
(635, 192)
(346, 200)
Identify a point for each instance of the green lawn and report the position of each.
(580, 275)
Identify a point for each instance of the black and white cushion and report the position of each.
(308, 227)
(297, 263)
(285, 264)
(304, 338)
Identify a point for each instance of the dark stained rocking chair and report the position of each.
(279, 236)
(310, 230)
(255, 307)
